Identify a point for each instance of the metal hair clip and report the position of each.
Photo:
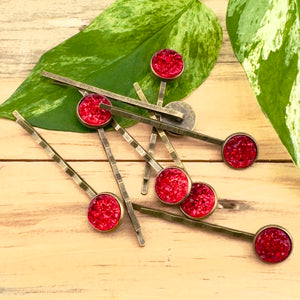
(239, 150)
(167, 65)
(272, 243)
(90, 115)
(105, 210)
(83, 86)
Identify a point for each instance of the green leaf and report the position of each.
(113, 52)
(265, 36)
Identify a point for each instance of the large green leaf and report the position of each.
(265, 36)
(113, 52)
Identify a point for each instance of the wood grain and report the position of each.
(47, 248)
(50, 249)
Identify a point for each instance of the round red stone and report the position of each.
(200, 202)
(239, 151)
(273, 244)
(172, 185)
(104, 212)
(167, 64)
(90, 112)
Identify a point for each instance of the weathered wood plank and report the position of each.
(49, 250)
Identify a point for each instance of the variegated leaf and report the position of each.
(113, 52)
(265, 36)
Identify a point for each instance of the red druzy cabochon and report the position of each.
(239, 151)
(90, 113)
(172, 185)
(167, 64)
(272, 244)
(105, 212)
(200, 202)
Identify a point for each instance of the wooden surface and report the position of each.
(48, 250)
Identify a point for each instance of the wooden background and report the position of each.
(48, 250)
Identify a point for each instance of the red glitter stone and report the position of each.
(200, 202)
(273, 244)
(172, 185)
(167, 64)
(239, 151)
(90, 113)
(104, 212)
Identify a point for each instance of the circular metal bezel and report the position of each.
(267, 227)
(87, 124)
(189, 121)
(213, 209)
(161, 77)
(121, 213)
(189, 186)
(231, 136)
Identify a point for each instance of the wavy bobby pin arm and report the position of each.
(55, 156)
(121, 186)
(153, 136)
(161, 133)
(138, 148)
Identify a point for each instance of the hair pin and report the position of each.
(154, 132)
(91, 115)
(166, 64)
(105, 211)
(239, 150)
(272, 243)
(121, 186)
(83, 86)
